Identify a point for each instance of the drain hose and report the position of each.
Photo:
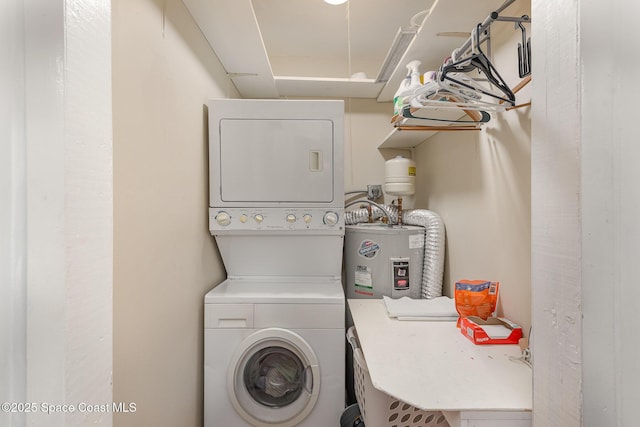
(433, 263)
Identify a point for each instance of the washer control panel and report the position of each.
(275, 219)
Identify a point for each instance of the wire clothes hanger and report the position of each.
(451, 73)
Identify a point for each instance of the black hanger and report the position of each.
(524, 51)
(478, 61)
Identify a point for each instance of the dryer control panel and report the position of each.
(253, 219)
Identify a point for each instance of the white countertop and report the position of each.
(432, 366)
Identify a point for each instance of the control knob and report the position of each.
(223, 219)
(291, 218)
(330, 218)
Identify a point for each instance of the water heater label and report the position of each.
(368, 249)
(400, 274)
(363, 277)
(416, 241)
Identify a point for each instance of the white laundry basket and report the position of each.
(379, 409)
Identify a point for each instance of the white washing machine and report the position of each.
(274, 330)
(274, 353)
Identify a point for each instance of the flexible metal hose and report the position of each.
(377, 211)
(433, 265)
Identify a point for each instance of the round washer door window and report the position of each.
(274, 378)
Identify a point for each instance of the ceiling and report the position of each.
(348, 38)
(308, 48)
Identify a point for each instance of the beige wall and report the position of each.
(366, 124)
(164, 258)
(480, 184)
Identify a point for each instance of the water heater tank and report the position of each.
(400, 177)
(382, 260)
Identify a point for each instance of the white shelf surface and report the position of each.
(237, 43)
(325, 87)
(406, 138)
(432, 366)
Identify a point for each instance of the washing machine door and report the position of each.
(274, 378)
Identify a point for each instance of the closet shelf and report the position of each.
(399, 138)
(409, 133)
(453, 100)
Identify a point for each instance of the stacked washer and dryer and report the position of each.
(274, 329)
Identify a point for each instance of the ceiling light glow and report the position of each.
(335, 2)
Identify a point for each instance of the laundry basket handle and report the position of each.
(352, 338)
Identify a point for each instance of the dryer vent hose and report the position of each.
(433, 264)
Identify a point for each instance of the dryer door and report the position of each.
(274, 378)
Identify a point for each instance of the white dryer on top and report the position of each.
(274, 353)
(276, 186)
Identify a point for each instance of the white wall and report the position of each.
(88, 204)
(46, 252)
(585, 209)
(58, 147)
(610, 208)
(479, 183)
(556, 230)
(13, 212)
(165, 260)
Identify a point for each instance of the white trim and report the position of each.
(69, 208)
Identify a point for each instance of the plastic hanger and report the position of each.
(524, 52)
(477, 60)
(483, 118)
